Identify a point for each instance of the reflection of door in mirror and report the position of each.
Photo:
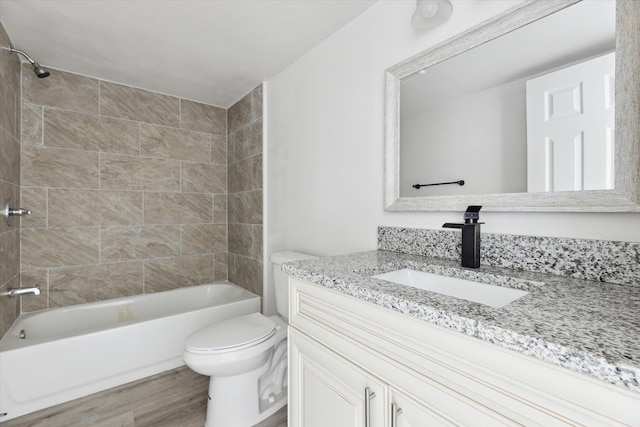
(570, 122)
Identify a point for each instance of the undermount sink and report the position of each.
(491, 295)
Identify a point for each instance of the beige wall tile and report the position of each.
(246, 207)
(69, 129)
(9, 158)
(77, 208)
(4, 37)
(9, 191)
(10, 66)
(32, 124)
(231, 151)
(172, 273)
(29, 279)
(219, 149)
(240, 114)
(241, 175)
(203, 117)
(57, 247)
(34, 199)
(177, 208)
(10, 92)
(170, 143)
(9, 255)
(76, 285)
(119, 172)
(244, 157)
(131, 243)
(246, 272)
(240, 239)
(256, 234)
(220, 208)
(8, 107)
(60, 90)
(56, 167)
(256, 103)
(141, 105)
(220, 267)
(82, 170)
(9, 307)
(257, 172)
(204, 238)
(10, 117)
(204, 178)
(248, 141)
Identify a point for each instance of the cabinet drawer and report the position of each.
(409, 353)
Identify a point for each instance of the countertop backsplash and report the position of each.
(598, 260)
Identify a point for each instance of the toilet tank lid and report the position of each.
(287, 256)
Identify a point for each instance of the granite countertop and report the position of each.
(587, 326)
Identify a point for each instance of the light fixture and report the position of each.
(431, 13)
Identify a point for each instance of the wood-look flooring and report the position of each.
(176, 398)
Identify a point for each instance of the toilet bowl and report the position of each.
(246, 358)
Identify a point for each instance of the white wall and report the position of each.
(324, 142)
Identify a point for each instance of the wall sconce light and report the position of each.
(431, 13)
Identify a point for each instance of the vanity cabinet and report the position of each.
(353, 363)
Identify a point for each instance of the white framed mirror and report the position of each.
(498, 182)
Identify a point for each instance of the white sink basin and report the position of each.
(491, 295)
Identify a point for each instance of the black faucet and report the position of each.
(470, 236)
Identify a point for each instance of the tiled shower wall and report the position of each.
(128, 190)
(9, 178)
(245, 192)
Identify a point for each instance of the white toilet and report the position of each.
(246, 358)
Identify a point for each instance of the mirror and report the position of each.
(505, 179)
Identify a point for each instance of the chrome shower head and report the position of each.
(39, 70)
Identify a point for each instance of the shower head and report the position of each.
(40, 71)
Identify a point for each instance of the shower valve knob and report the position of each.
(19, 212)
(9, 212)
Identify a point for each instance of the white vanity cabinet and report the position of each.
(353, 363)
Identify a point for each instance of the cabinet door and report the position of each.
(327, 390)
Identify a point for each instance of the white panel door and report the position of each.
(570, 123)
(326, 390)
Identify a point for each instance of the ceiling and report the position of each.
(211, 51)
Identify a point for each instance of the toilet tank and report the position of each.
(281, 280)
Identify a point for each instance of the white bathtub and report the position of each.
(74, 351)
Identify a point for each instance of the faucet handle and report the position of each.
(472, 214)
(9, 212)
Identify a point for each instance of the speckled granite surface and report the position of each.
(587, 326)
(604, 261)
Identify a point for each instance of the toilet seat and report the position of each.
(231, 335)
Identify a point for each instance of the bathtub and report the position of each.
(71, 352)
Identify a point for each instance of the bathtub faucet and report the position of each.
(11, 293)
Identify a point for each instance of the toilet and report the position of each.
(246, 358)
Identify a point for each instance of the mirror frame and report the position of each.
(625, 197)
